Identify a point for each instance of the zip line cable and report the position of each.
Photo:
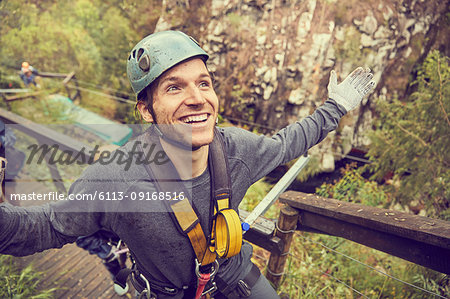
(373, 268)
(335, 278)
(353, 289)
(102, 94)
(132, 102)
(96, 86)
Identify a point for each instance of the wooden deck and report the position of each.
(73, 271)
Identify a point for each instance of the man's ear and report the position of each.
(146, 115)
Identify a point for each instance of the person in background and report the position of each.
(28, 74)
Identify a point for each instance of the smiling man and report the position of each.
(187, 244)
(184, 102)
(184, 95)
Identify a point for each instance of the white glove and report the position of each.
(352, 90)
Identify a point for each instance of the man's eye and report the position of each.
(172, 88)
(204, 84)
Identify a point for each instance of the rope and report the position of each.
(260, 257)
(105, 88)
(274, 274)
(251, 123)
(337, 279)
(102, 94)
(381, 272)
(283, 231)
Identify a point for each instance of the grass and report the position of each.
(17, 284)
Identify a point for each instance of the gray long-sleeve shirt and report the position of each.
(161, 252)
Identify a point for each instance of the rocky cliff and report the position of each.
(272, 58)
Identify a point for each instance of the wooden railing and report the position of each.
(45, 135)
(27, 93)
(421, 240)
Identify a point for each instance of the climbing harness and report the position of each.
(225, 238)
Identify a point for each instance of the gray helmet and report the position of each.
(157, 53)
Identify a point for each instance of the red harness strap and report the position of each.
(202, 281)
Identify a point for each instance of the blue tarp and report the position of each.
(110, 131)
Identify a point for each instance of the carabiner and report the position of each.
(214, 271)
(147, 290)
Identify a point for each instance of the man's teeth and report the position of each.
(195, 118)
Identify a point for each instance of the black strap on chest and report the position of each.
(225, 238)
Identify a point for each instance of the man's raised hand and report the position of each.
(352, 90)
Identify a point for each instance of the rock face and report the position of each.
(272, 58)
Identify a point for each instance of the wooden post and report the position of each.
(287, 223)
(78, 93)
(8, 106)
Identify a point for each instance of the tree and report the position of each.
(411, 140)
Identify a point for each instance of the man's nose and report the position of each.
(194, 96)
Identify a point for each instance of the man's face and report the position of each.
(184, 97)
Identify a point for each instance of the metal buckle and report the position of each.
(147, 290)
(243, 289)
(147, 294)
(211, 289)
(213, 272)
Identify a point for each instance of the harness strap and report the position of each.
(139, 284)
(225, 238)
(241, 290)
(190, 225)
(202, 281)
(225, 223)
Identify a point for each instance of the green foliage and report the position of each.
(235, 20)
(310, 170)
(17, 284)
(411, 140)
(352, 187)
(89, 37)
(317, 262)
(9, 81)
(255, 194)
(348, 47)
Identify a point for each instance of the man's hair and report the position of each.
(146, 97)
